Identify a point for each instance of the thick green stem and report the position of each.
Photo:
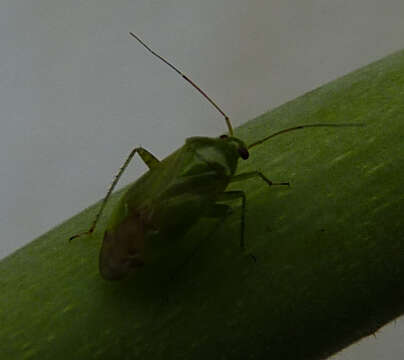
(329, 251)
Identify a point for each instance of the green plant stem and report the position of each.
(329, 251)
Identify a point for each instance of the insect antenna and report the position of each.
(205, 95)
(299, 128)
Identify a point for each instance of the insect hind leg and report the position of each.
(149, 159)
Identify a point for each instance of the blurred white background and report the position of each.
(77, 93)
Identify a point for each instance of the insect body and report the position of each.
(175, 193)
(194, 179)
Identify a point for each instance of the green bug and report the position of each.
(174, 193)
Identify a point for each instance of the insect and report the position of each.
(175, 192)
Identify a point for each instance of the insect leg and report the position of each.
(149, 159)
(231, 195)
(251, 174)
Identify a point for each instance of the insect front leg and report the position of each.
(251, 174)
(149, 159)
(231, 195)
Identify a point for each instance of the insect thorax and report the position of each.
(219, 154)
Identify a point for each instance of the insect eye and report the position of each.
(224, 136)
(243, 153)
